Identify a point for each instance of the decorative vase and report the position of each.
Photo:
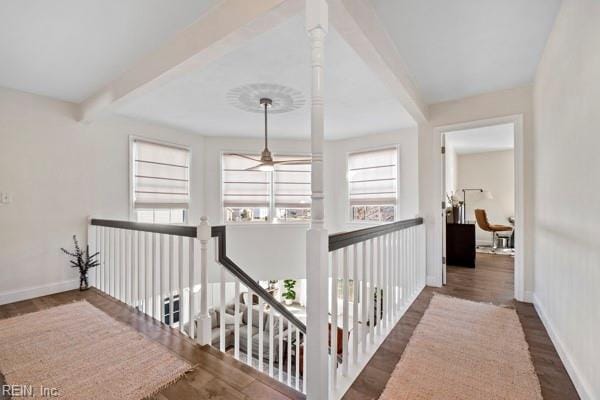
(289, 302)
(83, 282)
(455, 214)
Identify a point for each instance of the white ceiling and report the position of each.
(481, 140)
(356, 102)
(68, 49)
(459, 48)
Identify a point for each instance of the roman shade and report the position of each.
(161, 175)
(244, 188)
(372, 177)
(291, 184)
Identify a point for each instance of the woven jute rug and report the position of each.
(465, 350)
(76, 351)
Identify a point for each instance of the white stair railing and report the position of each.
(163, 270)
(376, 273)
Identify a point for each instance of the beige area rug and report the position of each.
(465, 350)
(84, 354)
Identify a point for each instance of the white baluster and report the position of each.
(171, 284)
(222, 311)
(192, 302)
(364, 298)
(236, 328)
(136, 269)
(271, 334)
(304, 366)
(355, 292)
(250, 310)
(371, 303)
(130, 251)
(289, 353)
(261, 326)
(160, 274)
(334, 315)
(280, 348)
(297, 359)
(345, 310)
(180, 276)
(123, 266)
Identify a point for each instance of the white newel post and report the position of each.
(91, 242)
(317, 382)
(204, 323)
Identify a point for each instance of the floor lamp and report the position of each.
(465, 201)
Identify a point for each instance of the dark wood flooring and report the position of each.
(491, 282)
(217, 376)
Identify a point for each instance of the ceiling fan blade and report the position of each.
(246, 157)
(255, 168)
(293, 162)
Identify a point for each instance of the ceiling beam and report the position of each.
(357, 22)
(224, 27)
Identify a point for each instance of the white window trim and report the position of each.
(272, 208)
(348, 208)
(132, 139)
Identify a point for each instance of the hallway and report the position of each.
(490, 282)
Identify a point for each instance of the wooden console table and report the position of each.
(460, 245)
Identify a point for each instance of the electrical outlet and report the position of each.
(5, 198)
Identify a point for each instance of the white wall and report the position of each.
(59, 172)
(451, 170)
(494, 172)
(482, 107)
(567, 195)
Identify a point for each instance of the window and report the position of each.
(372, 185)
(292, 191)
(161, 182)
(250, 195)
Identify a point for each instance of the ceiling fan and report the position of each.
(266, 162)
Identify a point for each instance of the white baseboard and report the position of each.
(37, 291)
(528, 297)
(583, 389)
(434, 281)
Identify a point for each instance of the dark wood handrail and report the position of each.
(345, 239)
(176, 230)
(218, 232)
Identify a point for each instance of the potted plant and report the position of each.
(83, 261)
(289, 294)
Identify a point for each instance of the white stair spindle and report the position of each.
(192, 281)
(371, 303)
(297, 360)
(271, 334)
(345, 310)
(180, 276)
(289, 353)
(364, 298)
(222, 289)
(334, 315)
(280, 349)
(171, 284)
(261, 326)
(355, 292)
(236, 327)
(250, 309)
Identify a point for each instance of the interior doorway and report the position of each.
(482, 170)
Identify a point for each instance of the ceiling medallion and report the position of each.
(247, 98)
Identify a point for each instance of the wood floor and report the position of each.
(217, 376)
(491, 282)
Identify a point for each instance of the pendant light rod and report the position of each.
(266, 102)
